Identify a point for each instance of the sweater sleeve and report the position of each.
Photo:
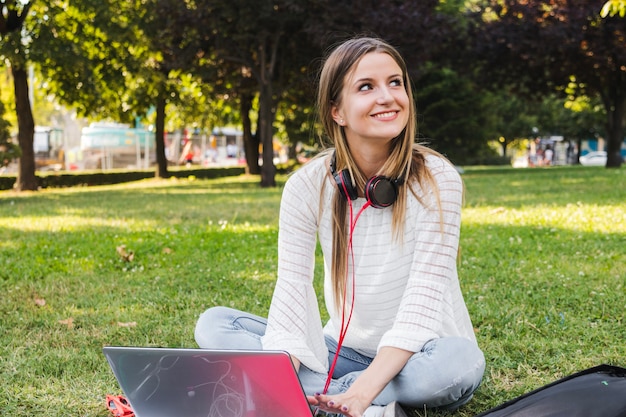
(294, 323)
(431, 295)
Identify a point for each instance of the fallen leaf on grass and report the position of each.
(40, 302)
(127, 324)
(167, 251)
(126, 255)
(69, 322)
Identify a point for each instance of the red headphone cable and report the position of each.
(344, 323)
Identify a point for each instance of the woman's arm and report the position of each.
(294, 324)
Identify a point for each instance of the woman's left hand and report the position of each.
(346, 404)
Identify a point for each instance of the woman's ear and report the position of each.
(334, 112)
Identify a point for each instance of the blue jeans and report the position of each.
(444, 374)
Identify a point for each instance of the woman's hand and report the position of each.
(347, 404)
(353, 403)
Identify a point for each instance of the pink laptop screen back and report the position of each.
(203, 383)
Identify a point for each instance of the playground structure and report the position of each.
(112, 145)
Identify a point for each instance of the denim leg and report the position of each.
(348, 361)
(444, 374)
(227, 328)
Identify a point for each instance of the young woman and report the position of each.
(386, 212)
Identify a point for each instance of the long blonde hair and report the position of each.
(406, 158)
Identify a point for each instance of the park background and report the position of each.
(81, 267)
(491, 77)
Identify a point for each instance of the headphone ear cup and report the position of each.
(381, 192)
(344, 184)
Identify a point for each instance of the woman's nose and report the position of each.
(384, 95)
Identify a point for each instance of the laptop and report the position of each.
(165, 382)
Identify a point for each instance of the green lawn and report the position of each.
(543, 267)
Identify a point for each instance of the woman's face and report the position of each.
(374, 105)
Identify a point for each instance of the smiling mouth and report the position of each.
(385, 115)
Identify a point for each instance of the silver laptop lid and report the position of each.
(163, 382)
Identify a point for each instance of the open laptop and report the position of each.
(164, 382)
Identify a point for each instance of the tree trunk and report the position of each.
(250, 142)
(26, 179)
(615, 132)
(161, 170)
(266, 118)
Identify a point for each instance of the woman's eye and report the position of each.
(397, 82)
(365, 87)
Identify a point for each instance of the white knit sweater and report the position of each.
(407, 292)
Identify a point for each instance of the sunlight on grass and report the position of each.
(66, 223)
(75, 223)
(581, 217)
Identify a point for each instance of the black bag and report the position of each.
(599, 391)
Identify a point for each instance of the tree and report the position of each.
(545, 46)
(174, 48)
(85, 50)
(82, 50)
(120, 60)
(454, 119)
(579, 117)
(514, 118)
(262, 40)
(14, 51)
(423, 30)
(260, 53)
(576, 118)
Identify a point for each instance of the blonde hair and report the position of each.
(406, 158)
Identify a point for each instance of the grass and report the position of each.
(542, 268)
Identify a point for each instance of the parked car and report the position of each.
(597, 158)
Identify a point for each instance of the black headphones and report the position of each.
(380, 191)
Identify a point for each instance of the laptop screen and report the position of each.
(161, 382)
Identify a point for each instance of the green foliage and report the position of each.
(209, 59)
(89, 52)
(9, 151)
(14, 40)
(613, 8)
(539, 46)
(541, 267)
(580, 116)
(452, 118)
(515, 116)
